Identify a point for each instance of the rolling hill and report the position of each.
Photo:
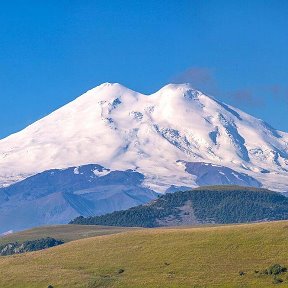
(65, 233)
(225, 256)
(216, 204)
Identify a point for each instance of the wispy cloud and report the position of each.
(278, 92)
(200, 78)
(245, 97)
(260, 95)
(204, 79)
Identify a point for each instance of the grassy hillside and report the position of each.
(216, 204)
(162, 257)
(63, 232)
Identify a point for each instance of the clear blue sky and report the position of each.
(53, 51)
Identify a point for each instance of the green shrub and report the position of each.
(276, 269)
(28, 246)
(120, 271)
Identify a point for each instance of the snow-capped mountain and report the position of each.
(157, 135)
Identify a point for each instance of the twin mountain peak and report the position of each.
(157, 135)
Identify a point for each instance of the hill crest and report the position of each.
(203, 205)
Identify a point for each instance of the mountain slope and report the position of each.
(121, 129)
(57, 196)
(154, 258)
(65, 233)
(218, 204)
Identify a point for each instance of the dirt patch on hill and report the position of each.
(185, 217)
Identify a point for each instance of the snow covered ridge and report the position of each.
(121, 129)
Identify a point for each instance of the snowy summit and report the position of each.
(157, 135)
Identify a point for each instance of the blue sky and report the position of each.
(53, 51)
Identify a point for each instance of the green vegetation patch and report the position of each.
(28, 246)
(216, 204)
